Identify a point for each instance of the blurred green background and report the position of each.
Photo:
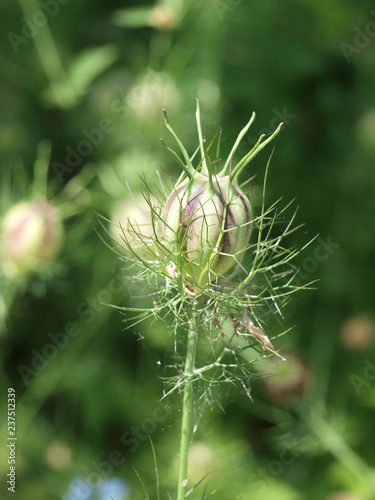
(81, 91)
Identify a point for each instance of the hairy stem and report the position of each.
(187, 408)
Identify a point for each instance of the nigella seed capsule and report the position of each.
(206, 222)
(209, 226)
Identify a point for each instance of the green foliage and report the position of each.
(81, 99)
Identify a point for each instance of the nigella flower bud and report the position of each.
(31, 236)
(208, 224)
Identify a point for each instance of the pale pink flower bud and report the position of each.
(31, 236)
(208, 225)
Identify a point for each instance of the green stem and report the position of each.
(187, 408)
(335, 443)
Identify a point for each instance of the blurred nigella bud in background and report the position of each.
(150, 93)
(132, 226)
(202, 459)
(58, 455)
(31, 236)
(357, 333)
(287, 380)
